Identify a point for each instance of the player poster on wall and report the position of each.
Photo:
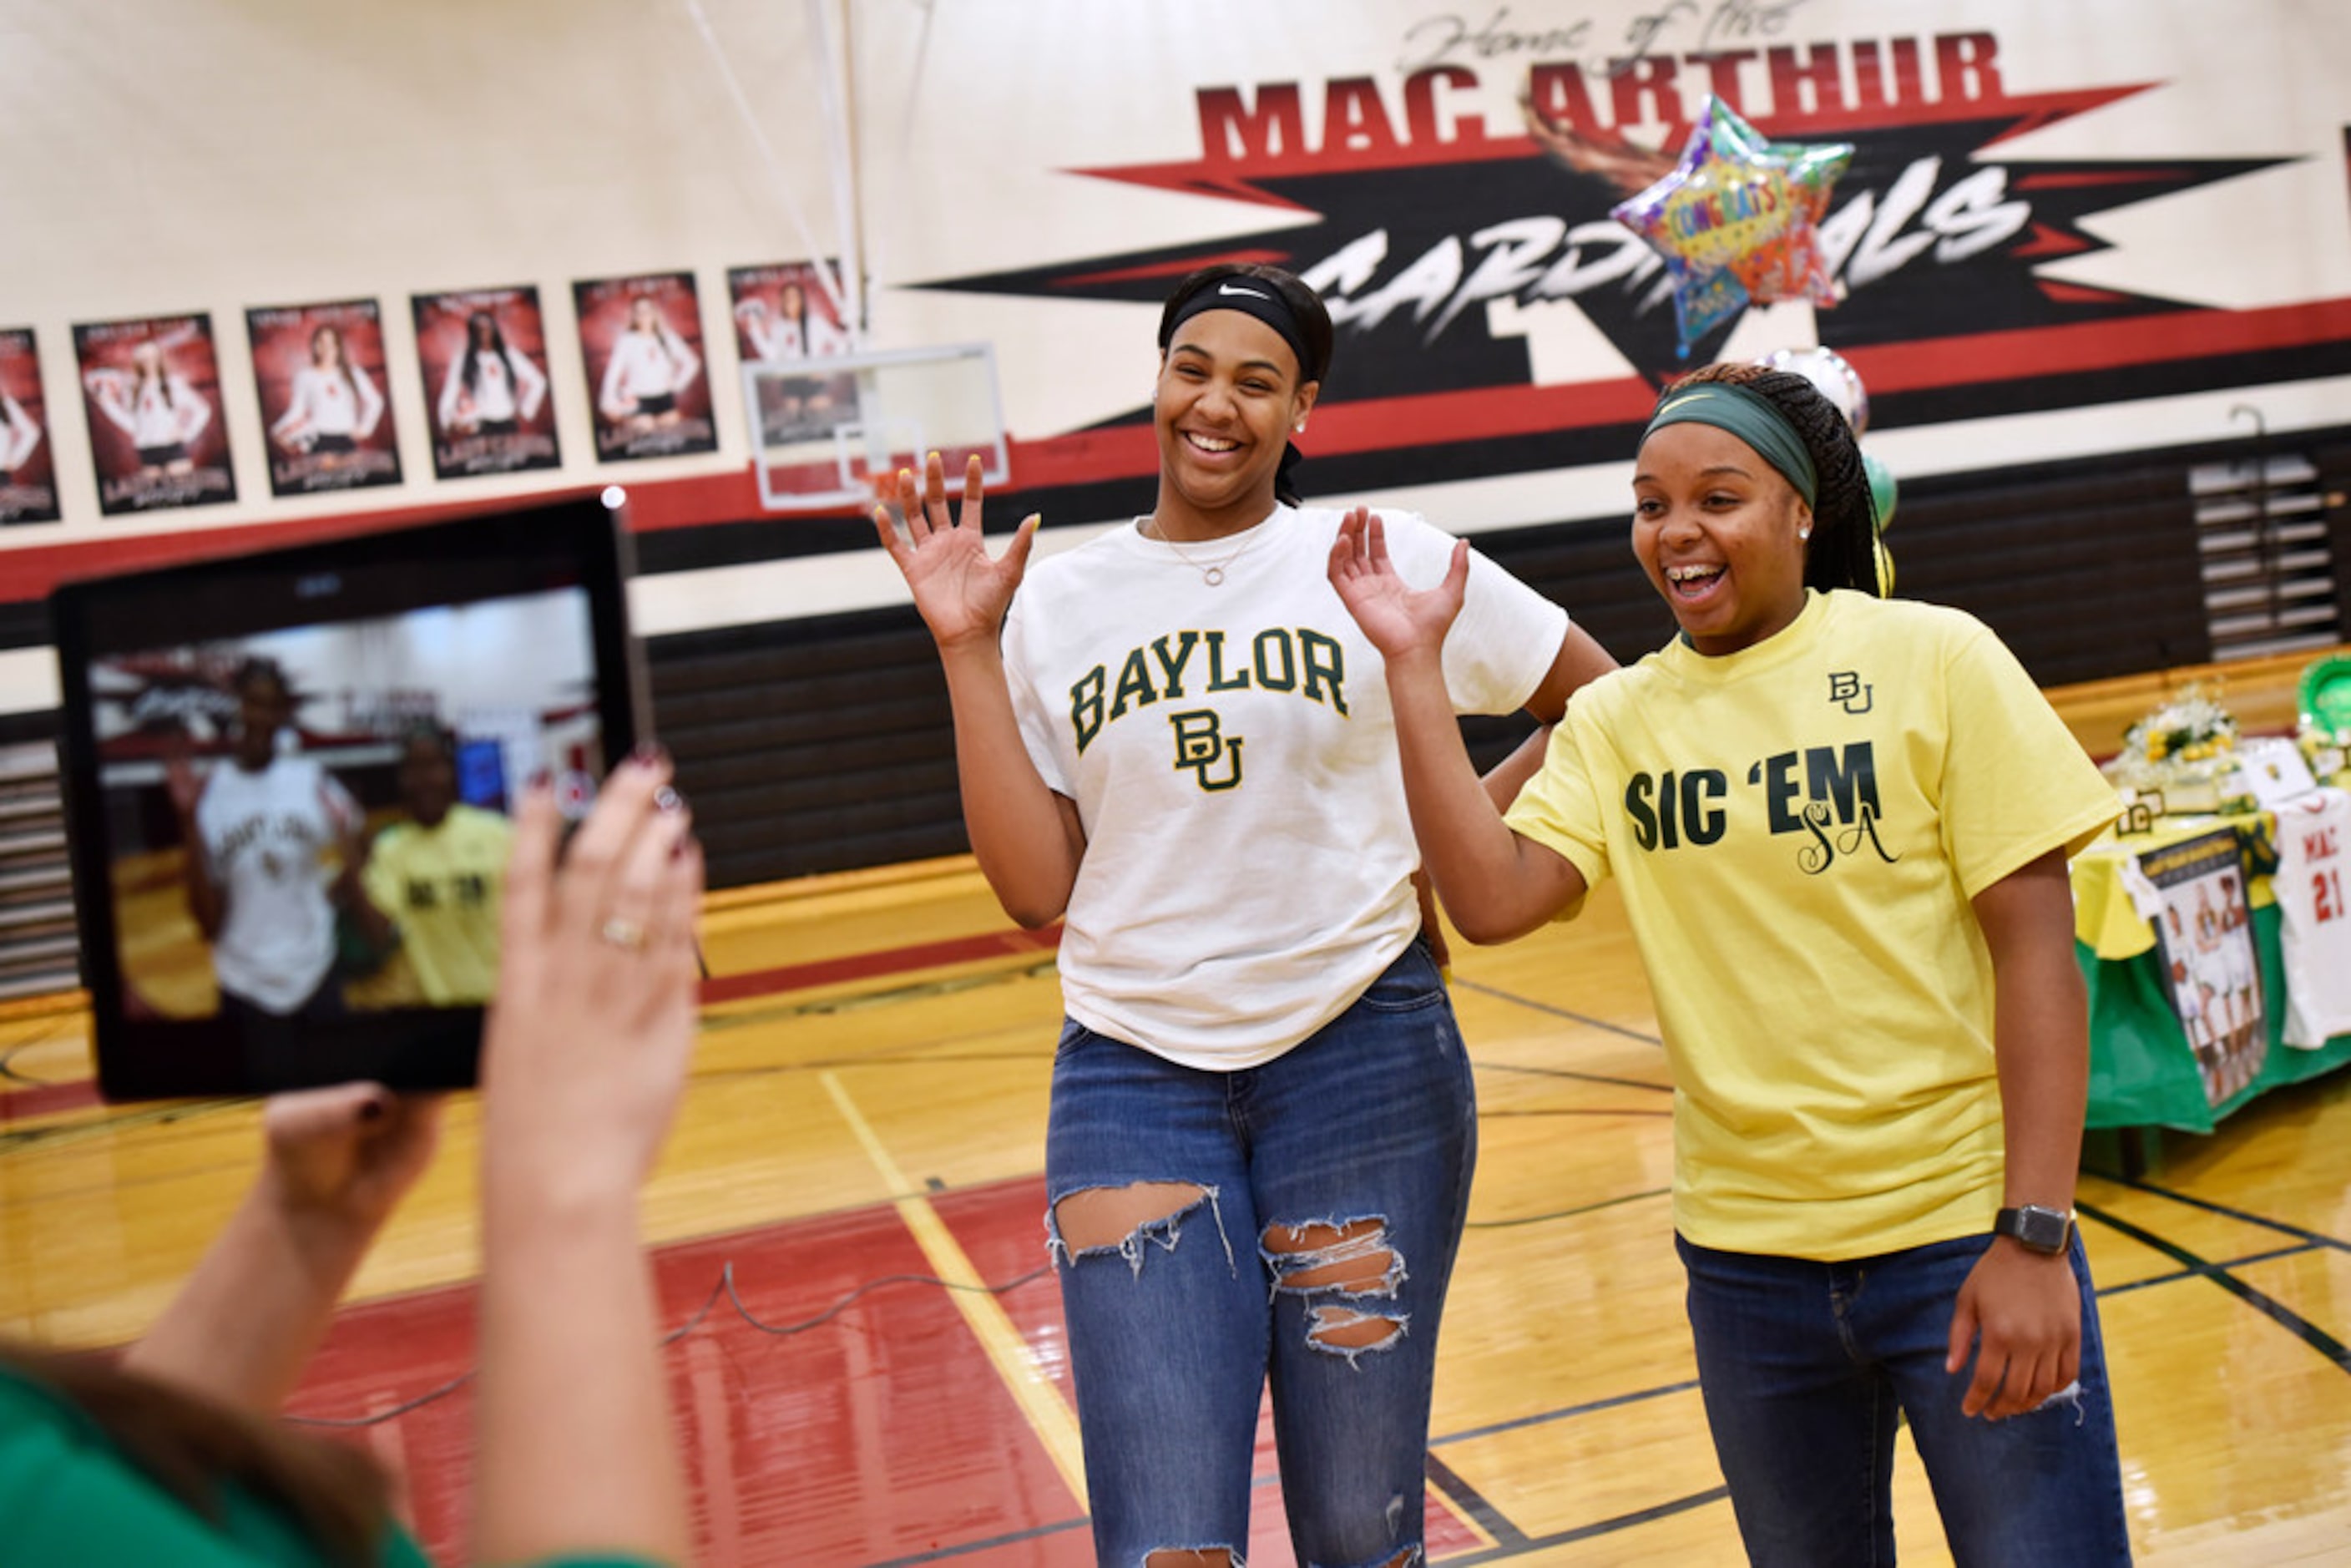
(151, 388)
(783, 311)
(2204, 936)
(483, 355)
(319, 371)
(784, 315)
(28, 480)
(641, 340)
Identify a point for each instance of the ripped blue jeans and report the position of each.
(1331, 1185)
(1806, 1368)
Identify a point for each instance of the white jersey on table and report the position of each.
(2313, 876)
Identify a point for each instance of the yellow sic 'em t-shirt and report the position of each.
(442, 885)
(1799, 828)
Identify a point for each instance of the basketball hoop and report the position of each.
(828, 433)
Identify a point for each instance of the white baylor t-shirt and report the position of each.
(265, 835)
(1233, 758)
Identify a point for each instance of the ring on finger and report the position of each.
(622, 932)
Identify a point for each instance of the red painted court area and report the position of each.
(879, 1435)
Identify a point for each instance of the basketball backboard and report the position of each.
(823, 428)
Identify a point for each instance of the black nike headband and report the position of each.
(1250, 297)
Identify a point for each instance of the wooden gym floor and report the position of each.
(868, 1363)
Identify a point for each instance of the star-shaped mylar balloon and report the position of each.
(1738, 220)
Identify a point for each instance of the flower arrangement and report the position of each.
(2186, 751)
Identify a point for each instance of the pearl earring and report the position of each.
(1803, 533)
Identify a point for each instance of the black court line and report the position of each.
(1569, 1213)
(2285, 1228)
(1584, 1019)
(50, 1034)
(1545, 1417)
(1510, 1541)
(858, 1002)
(1602, 1527)
(1571, 1073)
(115, 1119)
(2125, 1289)
(966, 1548)
(2277, 1311)
(1474, 1504)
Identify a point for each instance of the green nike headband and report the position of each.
(1751, 417)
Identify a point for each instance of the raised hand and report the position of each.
(961, 592)
(1399, 619)
(582, 1060)
(585, 1049)
(349, 1154)
(242, 1327)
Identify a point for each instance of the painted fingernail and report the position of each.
(539, 778)
(371, 1109)
(648, 753)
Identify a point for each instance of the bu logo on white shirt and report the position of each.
(1200, 746)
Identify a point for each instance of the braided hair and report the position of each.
(1313, 324)
(1842, 550)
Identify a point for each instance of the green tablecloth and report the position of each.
(2142, 1072)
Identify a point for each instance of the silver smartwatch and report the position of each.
(2039, 1229)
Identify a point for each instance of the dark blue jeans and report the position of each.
(1807, 1368)
(1366, 1130)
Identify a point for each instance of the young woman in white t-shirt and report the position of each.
(1262, 1117)
(274, 847)
(155, 406)
(490, 390)
(332, 405)
(790, 331)
(651, 365)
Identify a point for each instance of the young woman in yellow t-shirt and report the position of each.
(1841, 823)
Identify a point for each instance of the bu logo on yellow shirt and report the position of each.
(1846, 690)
